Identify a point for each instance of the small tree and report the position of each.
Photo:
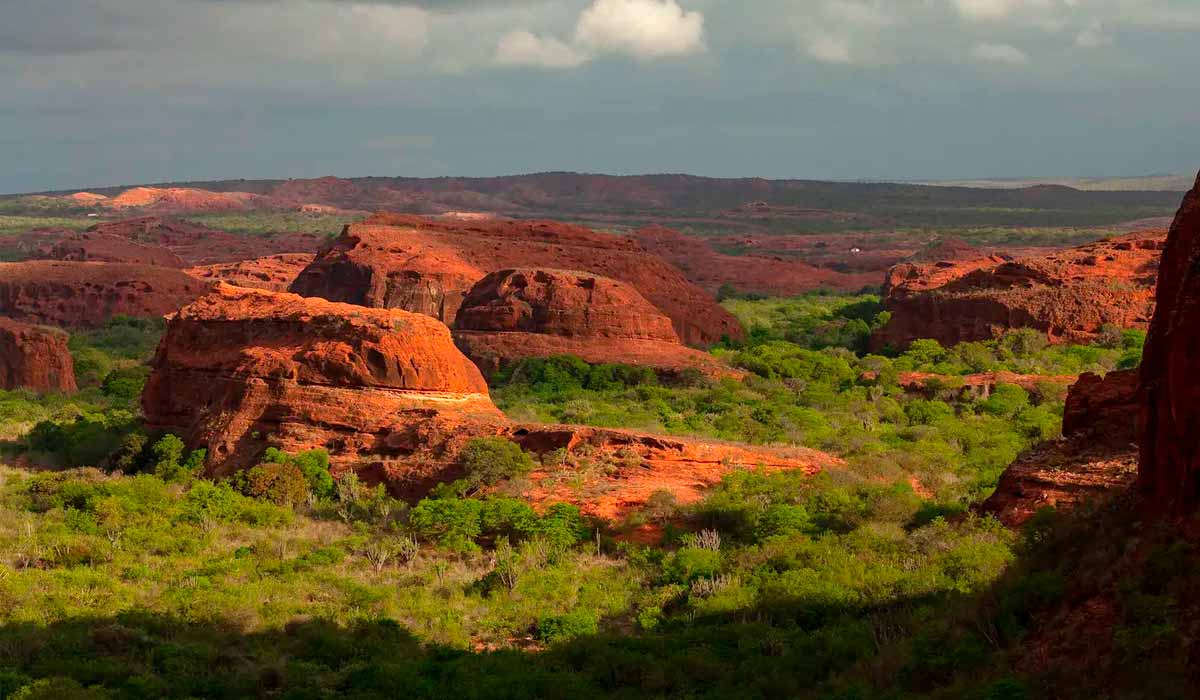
(489, 461)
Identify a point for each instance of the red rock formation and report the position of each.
(103, 247)
(1069, 294)
(1169, 425)
(760, 274)
(1096, 457)
(200, 245)
(274, 273)
(428, 266)
(35, 358)
(515, 314)
(88, 294)
(386, 393)
(383, 390)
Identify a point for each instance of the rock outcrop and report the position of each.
(386, 394)
(1169, 425)
(383, 390)
(274, 273)
(91, 246)
(428, 266)
(1096, 457)
(627, 468)
(88, 294)
(1069, 295)
(515, 314)
(33, 357)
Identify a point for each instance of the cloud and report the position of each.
(986, 9)
(522, 48)
(999, 53)
(830, 49)
(641, 28)
(1092, 36)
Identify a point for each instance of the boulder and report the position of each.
(1169, 423)
(428, 266)
(34, 357)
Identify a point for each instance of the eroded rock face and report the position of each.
(88, 293)
(383, 390)
(274, 273)
(514, 314)
(428, 266)
(91, 246)
(33, 357)
(1069, 295)
(1096, 457)
(1169, 424)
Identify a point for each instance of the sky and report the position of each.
(111, 92)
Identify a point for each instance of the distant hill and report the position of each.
(1144, 183)
(700, 203)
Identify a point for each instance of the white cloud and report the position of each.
(985, 9)
(522, 48)
(830, 49)
(640, 28)
(999, 53)
(1092, 36)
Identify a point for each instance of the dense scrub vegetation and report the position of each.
(130, 576)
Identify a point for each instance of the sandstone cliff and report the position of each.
(274, 273)
(1169, 425)
(428, 266)
(91, 246)
(35, 358)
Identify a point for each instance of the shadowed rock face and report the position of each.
(514, 314)
(90, 246)
(1095, 458)
(34, 358)
(88, 294)
(1169, 425)
(241, 370)
(199, 245)
(1069, 295)
(428, 267)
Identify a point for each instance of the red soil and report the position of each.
(92, 246)
(200, 245)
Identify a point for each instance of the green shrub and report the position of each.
(489, 461)
(453, 523)
(691, 563)
(561, 628)
(126, 384)
(281, 484)
(313, 464)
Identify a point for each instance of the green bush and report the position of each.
(691, 563)
(489, 461)
(453, 523)
(561, 628)
(281, 484)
